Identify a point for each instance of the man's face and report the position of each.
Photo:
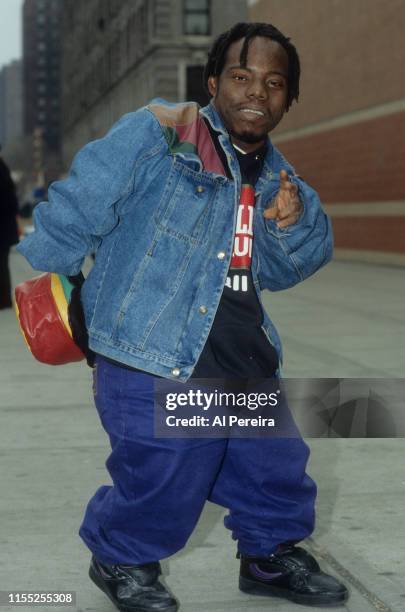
(251, 100)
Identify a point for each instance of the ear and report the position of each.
(213, 85)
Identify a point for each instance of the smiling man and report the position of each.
(192, 213)
(251, 92)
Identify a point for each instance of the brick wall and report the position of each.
(346, 137)
(352, 53)
(363, 161)
(365, 233)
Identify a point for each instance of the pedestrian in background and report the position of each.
(8, 231)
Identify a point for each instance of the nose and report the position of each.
(257, 89)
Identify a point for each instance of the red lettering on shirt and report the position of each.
(243, 242)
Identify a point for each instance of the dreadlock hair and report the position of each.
(248, 31)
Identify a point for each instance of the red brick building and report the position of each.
(346, 136)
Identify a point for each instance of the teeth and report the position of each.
(255, 112)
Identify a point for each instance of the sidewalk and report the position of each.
(346, 321)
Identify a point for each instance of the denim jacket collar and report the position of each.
(269, 172)
(211, 113)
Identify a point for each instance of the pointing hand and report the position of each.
(286, 207)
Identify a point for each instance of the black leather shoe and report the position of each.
(291, 573)
(133, 588)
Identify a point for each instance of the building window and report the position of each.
(197, 17)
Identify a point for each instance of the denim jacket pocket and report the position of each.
(186, 208)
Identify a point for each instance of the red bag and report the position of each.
(42, 312)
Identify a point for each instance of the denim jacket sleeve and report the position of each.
(289, 255)
(85, 206)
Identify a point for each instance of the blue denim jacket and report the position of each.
(161, 216)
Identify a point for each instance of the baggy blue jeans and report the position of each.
(160, 485)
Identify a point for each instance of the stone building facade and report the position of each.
(346, 136)
(119, 54)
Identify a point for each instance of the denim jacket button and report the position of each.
(176, 372)
(203, 309)
(200, 189)
(221, 255)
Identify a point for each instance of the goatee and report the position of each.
(248, 137)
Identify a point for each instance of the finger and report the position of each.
(284, 182)
(291, 208)
(271, 213)
(287, 185)
(293, 189)
(284, 214)
(290, 220)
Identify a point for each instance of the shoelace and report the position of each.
(299, 575)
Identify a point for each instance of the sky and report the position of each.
(10, 30)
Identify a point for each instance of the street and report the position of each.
(347, 321)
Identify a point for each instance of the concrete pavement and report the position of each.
(346, 321)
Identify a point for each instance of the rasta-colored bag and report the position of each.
(51, 318)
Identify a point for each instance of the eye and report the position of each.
(275, 83)
(239, 77)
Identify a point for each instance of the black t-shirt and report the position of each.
(237, 346)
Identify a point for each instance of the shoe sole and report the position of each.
(101, 585)
(253, 588)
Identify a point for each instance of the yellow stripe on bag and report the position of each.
(60, 300)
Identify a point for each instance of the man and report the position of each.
(8, 231)
(183, 251)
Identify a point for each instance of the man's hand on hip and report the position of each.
(286, 207)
